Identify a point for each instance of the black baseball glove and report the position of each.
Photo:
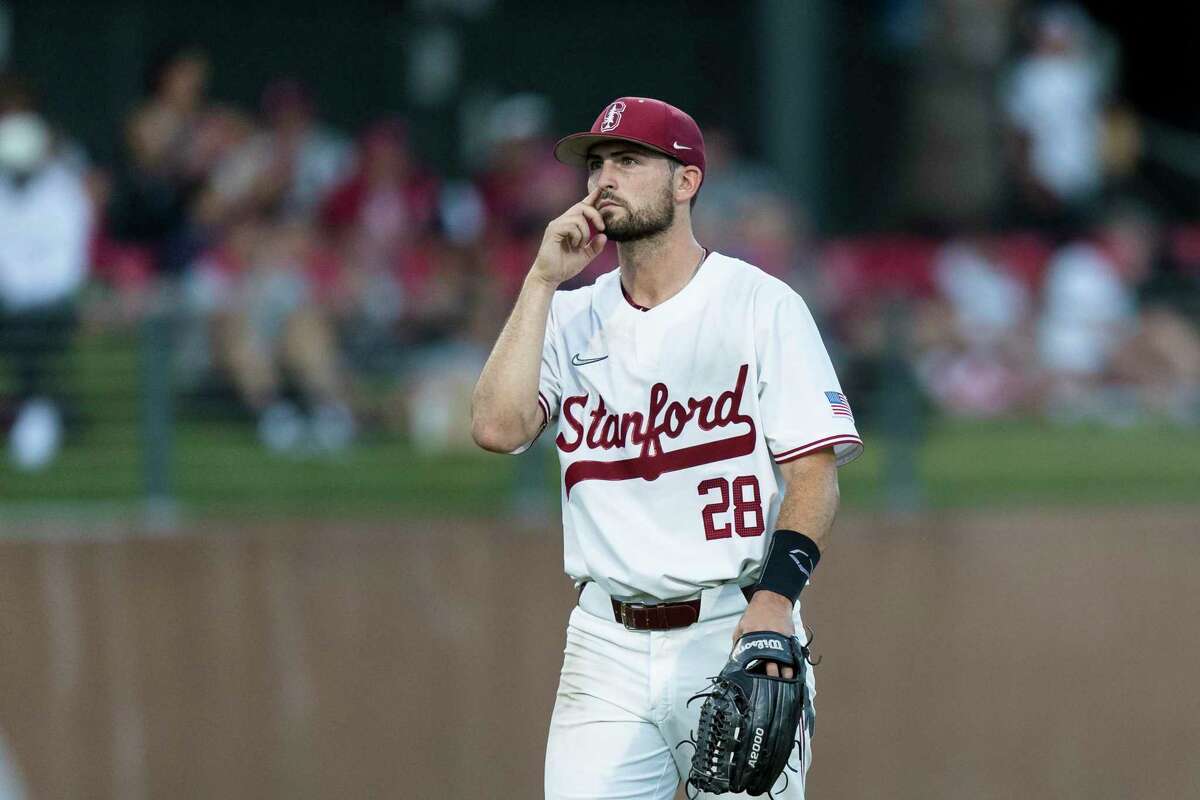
(750, 722)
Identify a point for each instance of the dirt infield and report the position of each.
(1020, 655)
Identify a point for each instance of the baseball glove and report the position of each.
(749, 721)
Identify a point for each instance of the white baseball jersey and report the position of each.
(671, 423)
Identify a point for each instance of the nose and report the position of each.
(605, 177)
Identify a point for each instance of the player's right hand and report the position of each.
(568, 244)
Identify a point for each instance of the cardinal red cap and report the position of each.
(651, 123)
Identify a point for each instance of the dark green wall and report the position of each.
(88, 58)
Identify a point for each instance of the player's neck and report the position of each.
(655, 270)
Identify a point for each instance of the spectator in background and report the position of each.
(382, 222)
(258, 289)
(386, 211)
(45, 223)
(521, 183)
(769, 229)
(747, 214)
(173, 140)
(287, 169)
(1054, 103)
(1107, 356)
(974, 351)
(409, 298)
(17, 94)
(730, 180)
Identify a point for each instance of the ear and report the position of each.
(688, 183)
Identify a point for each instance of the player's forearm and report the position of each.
(811, 501)
(801, 534)
(504, 407)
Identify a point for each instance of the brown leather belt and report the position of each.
(661, 616)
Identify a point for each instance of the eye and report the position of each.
(593, 164)
(628, 161)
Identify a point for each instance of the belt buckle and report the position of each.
(627, 610)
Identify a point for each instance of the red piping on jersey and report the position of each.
(545, 407)
(629, 299)
(819, 444)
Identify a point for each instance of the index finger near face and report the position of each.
(591, 197)
(593, 216)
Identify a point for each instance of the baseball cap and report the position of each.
(651, 123)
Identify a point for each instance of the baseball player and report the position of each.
(699, 425)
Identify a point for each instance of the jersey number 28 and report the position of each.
(747, 507)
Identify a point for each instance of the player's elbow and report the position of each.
(502, 428)
(493, 435)
(491, 439)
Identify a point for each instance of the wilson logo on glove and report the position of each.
(761, 644)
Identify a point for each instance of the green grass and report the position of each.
(226, 470)
(219, 468)
(990, 464)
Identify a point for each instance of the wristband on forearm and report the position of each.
(789, 564)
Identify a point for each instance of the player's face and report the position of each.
(637, 199)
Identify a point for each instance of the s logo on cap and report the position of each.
(612, 117)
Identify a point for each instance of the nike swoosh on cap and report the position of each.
(580, 361)
(679, 146)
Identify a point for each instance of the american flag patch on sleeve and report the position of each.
(839, 404)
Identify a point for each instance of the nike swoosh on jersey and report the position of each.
(580, 361)
(679, 146)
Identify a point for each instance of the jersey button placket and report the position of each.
(637, 339)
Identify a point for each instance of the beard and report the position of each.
(643, 223)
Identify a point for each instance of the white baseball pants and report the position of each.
(621, 707)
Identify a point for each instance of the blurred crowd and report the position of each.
(337, 285)
(1054, 276)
